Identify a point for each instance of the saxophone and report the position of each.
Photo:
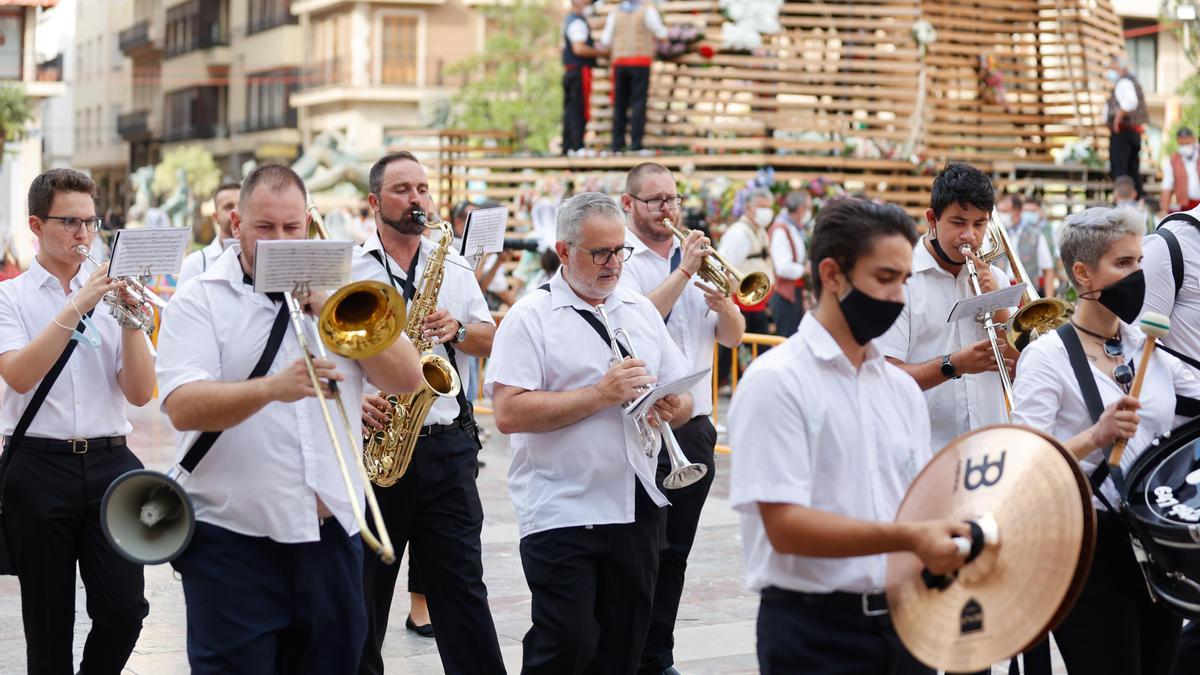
(387, 452)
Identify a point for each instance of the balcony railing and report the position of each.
(284, 121)
(133, 124)
(326, 73)
(259, 24)
(214, 36)
(135, 38)
(50, 71)
(192, 132)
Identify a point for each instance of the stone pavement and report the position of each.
(715, 631)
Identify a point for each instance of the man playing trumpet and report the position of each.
(588, 508)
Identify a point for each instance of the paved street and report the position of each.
(716, 619)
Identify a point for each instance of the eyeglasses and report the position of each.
(601, 256)
(72, 224)
(659, 203)
(1114, 348)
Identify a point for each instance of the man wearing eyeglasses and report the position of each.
(588, 507)
(62, 453)
(696, 316)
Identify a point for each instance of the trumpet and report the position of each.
(132, 315)
(683, 473)
(751, 288)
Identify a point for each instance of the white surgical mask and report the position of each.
(1188, 150)
(763, 215)
(1112, 75)
(1006, 219)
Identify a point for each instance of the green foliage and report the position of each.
(514, 83)
(1189, 116)
(198, 165)
(15, 112)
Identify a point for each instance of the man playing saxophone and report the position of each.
(582, 481)
(435, 505)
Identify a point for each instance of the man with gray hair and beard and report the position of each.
(588, 508)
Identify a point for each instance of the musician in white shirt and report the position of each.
(435, 507)
(588, 506)
(1101, 250)
(272, 513)
(826, 437)
(696, 316)
(225, 200)
(55, 474)
(952, 362)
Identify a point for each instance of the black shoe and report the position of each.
(670, 670)
(423, 631)
(479, 463)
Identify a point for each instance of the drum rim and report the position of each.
(1187, 432)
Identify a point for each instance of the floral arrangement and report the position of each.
(681, 39)
(923, 34)
(1079, 151)
(992, 81)
(748, 21)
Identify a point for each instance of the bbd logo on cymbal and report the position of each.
(984, 474)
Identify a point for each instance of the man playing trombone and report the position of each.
(662, 268)
(939, 354)
(62, 452)
(273, 574)
(582, 476)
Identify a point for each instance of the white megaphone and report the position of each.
(147, 516)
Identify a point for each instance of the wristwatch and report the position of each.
(460, 334)
(948, 369)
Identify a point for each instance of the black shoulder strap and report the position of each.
(1091, 395)
(206, 439)
(43, 390)
(595, 324)
(1176, 254)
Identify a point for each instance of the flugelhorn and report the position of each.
(135, 315)
(683, 473)
(751, 288)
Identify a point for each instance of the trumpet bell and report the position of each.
(1035, 319)
(684, 476)
(753, 289)
(361, 319)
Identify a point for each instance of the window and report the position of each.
(329, 57)
(398, 36)
(194, 113)
(114, 116)
(267, 96)
(196, 25)
(1142, 49)
(12, 27)
(267, 14)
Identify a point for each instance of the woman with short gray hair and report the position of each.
(1101, 249)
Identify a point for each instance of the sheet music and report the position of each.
(280, 265)
(151, 251)
(681, 386)
(484, 232)
(969, 308)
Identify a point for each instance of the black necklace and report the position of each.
(1113, 347)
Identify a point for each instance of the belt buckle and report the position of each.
(75, 447)
(866, 603)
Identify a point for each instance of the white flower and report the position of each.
(736, 37)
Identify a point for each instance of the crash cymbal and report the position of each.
(1008, 597)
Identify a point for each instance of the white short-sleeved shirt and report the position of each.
(262, 477)
(460, 295)
(1126, 94)
(1190, 170)
(1046, 395)
(806, 428)
(577, 30)
(1184, 309)
(197, 262)
(921, 334)
(788, 266)
(85, 401)
(692, 325)
(585, 473)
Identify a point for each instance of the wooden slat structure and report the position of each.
(845, 75)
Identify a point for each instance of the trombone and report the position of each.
(683, 473)
(751, 288)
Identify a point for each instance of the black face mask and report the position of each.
(1124, 298)
(868, 317)
(941, 252)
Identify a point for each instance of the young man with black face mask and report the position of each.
(938, 354)
(819, 494)
(1102, 251)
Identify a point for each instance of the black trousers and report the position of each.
(574, 122)
(697, 438)
(258, 606)
(1139, 636)
(52, 520)
(787, 314)
(1123, 149)
(631, 85)
(592, 591)
(1187, 658)
(795, 638)
(435, 507)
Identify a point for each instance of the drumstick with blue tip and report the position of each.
(1156, 327)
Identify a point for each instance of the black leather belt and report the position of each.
(436, 429)
(871, 603)
(74, 446)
